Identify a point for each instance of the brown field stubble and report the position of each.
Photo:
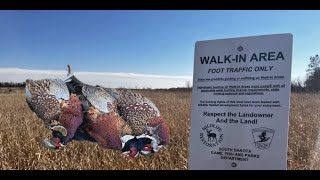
(20, 130)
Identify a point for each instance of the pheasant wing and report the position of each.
(99, 98)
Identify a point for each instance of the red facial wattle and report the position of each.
(133, 152)
(56, 142)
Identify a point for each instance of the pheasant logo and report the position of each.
(262, 137)
(212, 135)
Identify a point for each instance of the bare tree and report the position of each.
(188, 84)
(313, 79)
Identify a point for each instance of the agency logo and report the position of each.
(211, 135)
(262, 137)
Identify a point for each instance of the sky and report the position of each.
(141, 42)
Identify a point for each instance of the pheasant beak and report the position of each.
(133, 152)
(157, 148)
(51, 144)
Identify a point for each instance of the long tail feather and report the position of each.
(69, 75)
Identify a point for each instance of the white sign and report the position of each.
(240, 103)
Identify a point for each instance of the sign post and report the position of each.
(240, 103)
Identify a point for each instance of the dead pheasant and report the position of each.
(116, 119)
(103, 121)
(143, 117)
(61, 112)
(111, 131)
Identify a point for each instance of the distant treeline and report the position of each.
(296, 86)
(11, 84)
(312, 82)
(23, 84)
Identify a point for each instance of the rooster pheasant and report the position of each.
(143, 117)
(60, 111)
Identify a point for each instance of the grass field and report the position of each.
(20, 130)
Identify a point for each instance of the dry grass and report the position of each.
(20, 129)
(303, 132)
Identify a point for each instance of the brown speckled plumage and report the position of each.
(104, 115)
(136, 110)
(44, 96)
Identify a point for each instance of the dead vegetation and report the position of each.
(20, 130)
